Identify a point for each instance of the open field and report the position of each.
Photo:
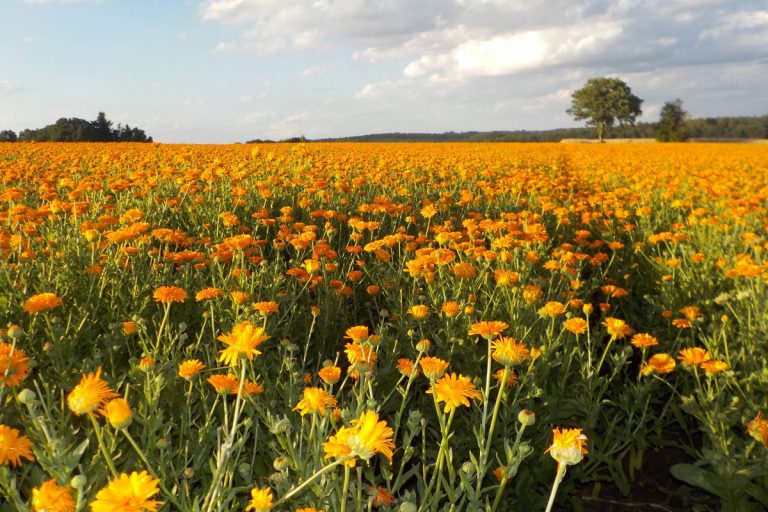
(357, 326)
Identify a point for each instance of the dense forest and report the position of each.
(79, 130)
(706, 128)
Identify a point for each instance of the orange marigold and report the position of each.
(13, 447)
(168, 294)
(42, 302)
(14, 365)
(90, 394)
(487, 330)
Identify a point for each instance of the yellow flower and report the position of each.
(576, 325)
(455, 390)
(188, 369)
(118, 413)
(714, 366)
(242, 341)
(168, 294)
(147, 364)
(315, 401)
(357, 333)
(617, 328)
(419, 311)
(261, 500)
(568, 446)
(52, 497)
(13, 447)
(552, 309)
(90, 394)
(508, 351)
(433, 367)
(693, 356)
(487, 330)
(128, 493)
(15, 363)
(41, 302)
(366, 437)
(659, 363)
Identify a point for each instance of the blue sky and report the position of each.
(233, 70)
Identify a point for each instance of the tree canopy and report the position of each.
(79, 130)
(672, 122)
(603, 102)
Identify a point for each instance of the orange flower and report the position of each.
(617, 328)
(693, 356)
(365, 438)
(659, 363)
(13, 447)
(130, 327)
(691, 313)
(419, 311)
(758, 428)
(241, 341)
(450, 308)
(357, 334)
(13, 362)
(552, 309)
(464, 270)
(52, 497)
(455, 390)
(381, 497)
(405, 366)
(315, 400)
(208, 293)
(41, 302)
(433, 367)
(91, 394)
(511, 379)
(188, 369)
(118, 413)
(487, 330)
(568, 446)
(508, 351)
(643, 340)
(224, 384)
(330, 374)
(714, 366)
(576, 325)
(168, 294)
(266, 308)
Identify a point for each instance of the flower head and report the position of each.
(241, 341)
(224, 384)
(366, 437)
(88, 396)
(52, 497)
(168, 294)
(508, 351)
(552, 309)
(455, 390)
(41, 302)
(693, 356)
(418, 311)
(128, 493)
(576, 325)
(357, 334)
(315, 401)
(643, 340)
(261, 500)
(118, 413)
(433, 367)
(13, 447)
(488, 330)
(330, 374)
(758, 428)
(568, 446)
(658, 363)
(189, 368)
(15, 363)
(617, 328)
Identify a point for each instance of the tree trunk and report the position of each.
(600, 130)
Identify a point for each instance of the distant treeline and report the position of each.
(712, 127)
(79, 130)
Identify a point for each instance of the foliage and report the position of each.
(80, 130)
(8, 136)
(604, 101)
(156, 271)
(672, 122)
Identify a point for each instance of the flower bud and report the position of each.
(526, 417)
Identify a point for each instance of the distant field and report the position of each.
(645, 141)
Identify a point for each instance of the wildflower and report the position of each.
(455, 390)
(681, 323)
(238, 297)
(366, 437)
(568, 446)
(146, 364)
(130, 327)
(511, 379)
(693, 356)
(714, 366)
(617, 328)
(91, 394)
(552, 309)
(168, 294)
(52, 497)
(505, 277)
(315, 401)
(691, 313)
(241, 341)
(659, 363)
(357, 334)
(381, 497)
(266, 308)
(508, 351)
(487, 330)
(423, 345)
(464, 270)
(41, 302)
(405, 366)
(643, 340)
(433, 367)
(13, 362)
(251, 388)
(360, 355)
(576, 325)
(13, 447)
(450, 308)
(757, 428)
(118, 413)
(128, 493)
(419, 311)
(189, 368)
(261, 500)
(330, 374)
(224, 384)
(532, 293)
(208, 293)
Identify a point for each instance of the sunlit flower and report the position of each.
(405, 366)
(487, 330)
(41, 302)
(13, 447)
(643, 340)
(130, 327)
(224, 384)
(357, 334)
(455, 390)
(188, 369)
(714, 366)
(418, 311)
(552, 309)
(241, 341)
(511, 379)
(330, 374)
(128, 493)
(617, 328)
(568, 446)
(261, 500)
(208, 293)
(168, 294)
(118, 413)
(90, 394)
(13, 362)
(433, 367)
(366, 437)
(450, 308)
(146, 364)
(576, 325)
(315, 400)
(693, 356)
(52, 497)
(508, 351)
(266, 308)
(758, 428)
(658, 363)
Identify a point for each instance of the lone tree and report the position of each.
(604, 101)
(8, 136)
(672, 122)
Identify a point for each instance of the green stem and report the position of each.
(344, 490)
(558, 479)
(102, 447)
(311, 479)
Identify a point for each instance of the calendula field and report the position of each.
(411, 327)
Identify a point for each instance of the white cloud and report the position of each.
(312, 71)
